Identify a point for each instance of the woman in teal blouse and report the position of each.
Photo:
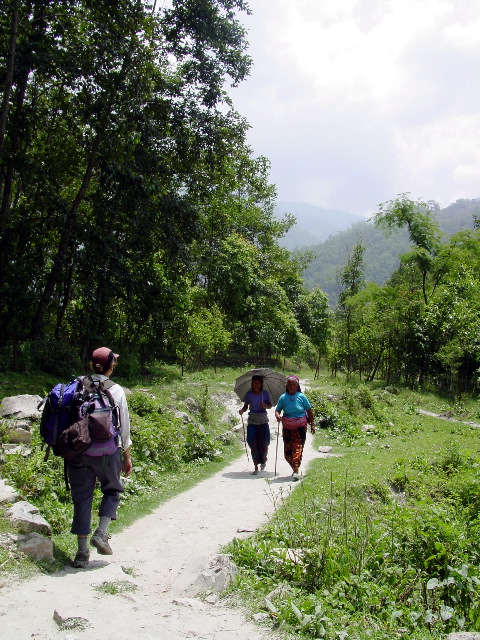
(297, 413)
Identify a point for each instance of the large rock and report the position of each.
(216, 576)
(19, 432)
(17, 413)
(7, 493)
(26, 518)
(20, 407)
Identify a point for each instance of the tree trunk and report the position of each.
(9, 75)
(7, 171)
(66, 299)
(37, 322)
(373, 373)
(317, 368)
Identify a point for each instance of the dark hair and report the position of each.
(256, 377)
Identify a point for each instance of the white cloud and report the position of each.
(355, 101)
(440, 158)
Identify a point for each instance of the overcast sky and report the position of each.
(357, 101)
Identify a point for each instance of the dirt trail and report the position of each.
(163, 554)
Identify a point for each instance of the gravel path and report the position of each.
(162, 555)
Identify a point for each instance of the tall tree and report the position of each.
(315, 317)
(350, 281)
(424, 232)
(116, 124)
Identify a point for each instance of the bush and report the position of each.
(159, 443)
(326, 415)
(198, 445)
(143, 404)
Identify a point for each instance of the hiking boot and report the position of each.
(81, 560)
(99, 540)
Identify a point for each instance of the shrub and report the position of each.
(143, 404)
(326, 415)
(198, 445)
(159, 443)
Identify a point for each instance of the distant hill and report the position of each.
(382, 254)
(314, 224)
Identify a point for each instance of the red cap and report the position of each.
(103, 357)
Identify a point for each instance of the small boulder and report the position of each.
(26, 518)
(325, 449)
(217, 575)
(181, 415)
(35, 546)
(7, 493)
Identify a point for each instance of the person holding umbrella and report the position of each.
(297, 412)
(258, 431)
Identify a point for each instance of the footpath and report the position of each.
(160, 556)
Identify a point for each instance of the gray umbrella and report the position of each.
(273, 382)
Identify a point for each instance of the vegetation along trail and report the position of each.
(145, 589)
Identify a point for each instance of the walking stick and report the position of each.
(245, 440)
(276, 449)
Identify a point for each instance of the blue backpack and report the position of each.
(60, 409)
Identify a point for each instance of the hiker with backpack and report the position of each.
(102, 460)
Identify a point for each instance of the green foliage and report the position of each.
(372, 543)
(325, 412)
(198, 445)
(143, 403)
(133, 190)
(116, 588)
(41, 483)
(159, 444)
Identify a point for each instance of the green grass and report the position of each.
(116, 588)
(385, 536)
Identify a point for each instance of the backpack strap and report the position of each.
(55, 425)
(65, 474)
(104, 387)
(47, 453)
(113, 404)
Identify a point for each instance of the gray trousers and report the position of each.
(83, 472)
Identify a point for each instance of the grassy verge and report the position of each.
(381, 541)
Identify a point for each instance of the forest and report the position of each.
(133, 213)
(382, 251)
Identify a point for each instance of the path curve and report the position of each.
(166, 550)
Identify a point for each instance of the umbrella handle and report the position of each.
(245, 440)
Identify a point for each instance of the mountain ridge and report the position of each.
(382, 253)
(314, 224)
